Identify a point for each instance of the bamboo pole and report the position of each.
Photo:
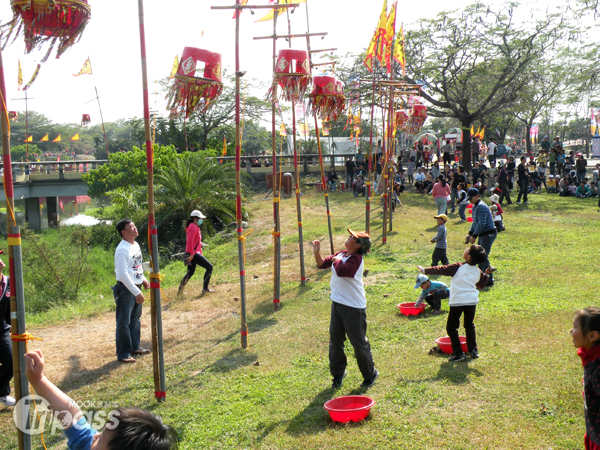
(276, 198)
(369, 181)
(155, 304)
(17, 303)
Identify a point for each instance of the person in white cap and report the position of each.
(193, 252)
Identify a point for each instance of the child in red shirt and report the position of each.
(586, 338)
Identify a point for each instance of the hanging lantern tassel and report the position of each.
(41, 21)
(195, 93)
(327, 98)
(292, 74)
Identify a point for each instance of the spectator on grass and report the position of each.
(580, 166)
(510, 168)
(127, 292)
(420, 179)
(459, 177)
(523, 181)
(551, 186)
(482, 229)
(410, 170)
(482, 188)
(593, 189)
(332, 178)
(492, 149)
(440, 193)
(193, 248)
(583, 191)
(6, 355)
(439, 252)
(446, 151)
(348, 308)
(350, 166)
(552, 157)
(492, 175)
(462, 201)
(358, 186)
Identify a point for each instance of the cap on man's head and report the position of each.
(198, 214)
(444, 217)
(420, 280)
(363, 239)
(472, 192)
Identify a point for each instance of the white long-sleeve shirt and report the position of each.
(128, 266)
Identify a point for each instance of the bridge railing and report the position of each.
(24, 172)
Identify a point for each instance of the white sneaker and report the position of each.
(8, 401)
(527, 203)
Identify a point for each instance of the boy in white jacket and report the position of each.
(466, 282)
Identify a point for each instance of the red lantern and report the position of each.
(327, 98)
(196, 92)
(401, 119)
(292, 74)
(85, 119)
(49, 20)
(417, 118)
(12, 115)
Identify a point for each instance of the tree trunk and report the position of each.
(466, 145)
(528, 138)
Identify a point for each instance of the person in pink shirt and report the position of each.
(193, 252)
(440, 192)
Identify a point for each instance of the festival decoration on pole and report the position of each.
(196, 92)
(158, 357)
(85, 119)
(57, 139)
(292, 74)
(327, 99)
(13, 116)
(86, 69)
(42, 21)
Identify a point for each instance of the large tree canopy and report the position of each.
(475, 61)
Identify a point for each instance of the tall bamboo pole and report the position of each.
(276, 198)
(155, 304)
(297, 176)
(17, 302)
(369, 181)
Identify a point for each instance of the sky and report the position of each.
(112, 42)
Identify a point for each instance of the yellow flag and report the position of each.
(86, 69)
(283, 132)
(20, 76)
(472, 130)
(57, 139)
(481, 134)
(272, 13)
(175, 66)
(224, 153)
(44, 139)
(29, 139)
(75, 138)
(399, 50)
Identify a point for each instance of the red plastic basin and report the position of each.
(409, 309)
(469, 219)
(446, 347)
(349, 408)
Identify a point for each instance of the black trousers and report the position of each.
(351, 322)
(505, 194)
(439, 254)
(6, 362)
(434, 298)
(201, 261)
(454, 322)
(523, 186)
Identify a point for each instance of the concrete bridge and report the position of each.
(49, 179)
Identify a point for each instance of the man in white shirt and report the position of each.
(127, 292)
(492, 151)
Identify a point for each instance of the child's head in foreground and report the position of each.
(586, 328)
(474, 255)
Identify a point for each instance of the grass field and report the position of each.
(523, 393)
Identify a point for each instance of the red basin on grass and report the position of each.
(446, 347)
(349, 408)
(469, 219)
(409, 309)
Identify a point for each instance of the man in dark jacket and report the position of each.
(523, 181)
(6, 364)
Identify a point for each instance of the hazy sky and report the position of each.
(112, 42)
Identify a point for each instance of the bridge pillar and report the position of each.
(32, 213)
(52, 206)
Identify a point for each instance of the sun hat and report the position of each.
(420, 280)
(196, 213)
(494, 198)
(363, 239)
(441, 216)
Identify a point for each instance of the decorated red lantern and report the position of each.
(292, 74)
(418, 115)
(401, 119)
(49, 20)
(196, 92)
(85, 119)
(327, 98)
(12, 115)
